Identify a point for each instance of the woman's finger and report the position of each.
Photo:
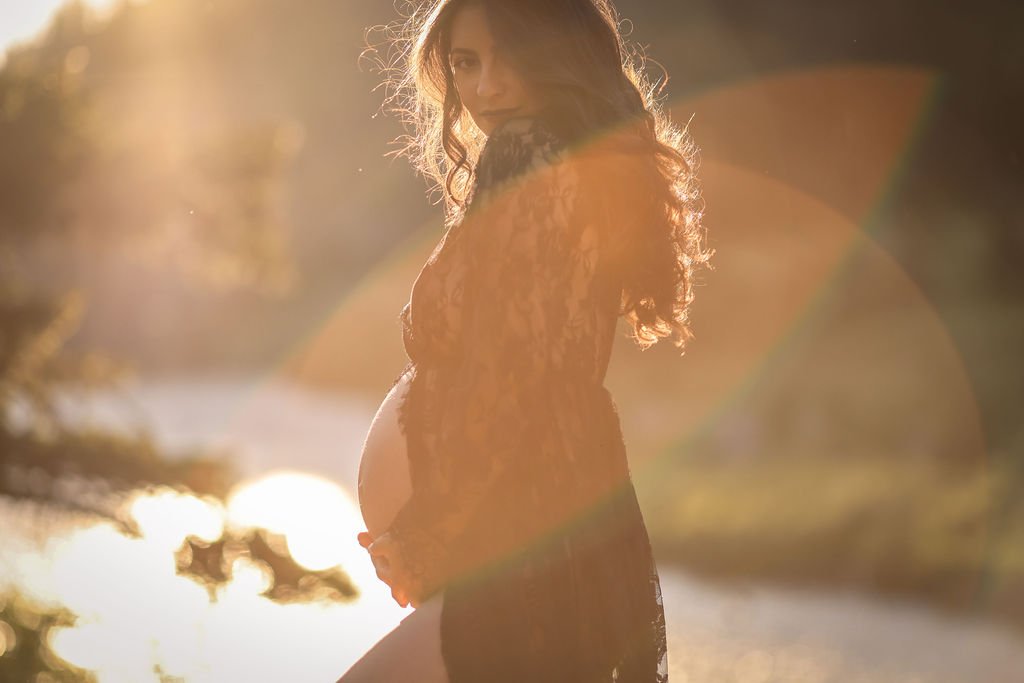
(385, 574)
(364, 538)
(383, 570)
(398, 590)
(390, 570)
(399, 597)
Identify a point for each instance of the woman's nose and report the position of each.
(492, 81)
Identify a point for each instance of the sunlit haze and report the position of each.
(208, 243)
(22, 20)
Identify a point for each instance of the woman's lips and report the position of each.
(500, 112)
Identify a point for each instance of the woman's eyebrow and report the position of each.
(461, 50)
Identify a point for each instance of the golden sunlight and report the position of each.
(114, 584)
(318, 518)
(168, 517)
(23, 21)
(133, 612)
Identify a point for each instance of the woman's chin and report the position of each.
(485, 127)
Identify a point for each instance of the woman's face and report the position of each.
(489, 87)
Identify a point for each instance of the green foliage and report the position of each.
(210, 564)
(23, 632)
(39, 453)
(70, 173)
(44, 149)
(107, 142)
(906, 527)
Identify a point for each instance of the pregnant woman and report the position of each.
(494, 482)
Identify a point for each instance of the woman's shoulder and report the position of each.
(527, 130)
(518, 145)
(526, 142)
(611, 165)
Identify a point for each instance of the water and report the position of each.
(760, 634)
(769, 634)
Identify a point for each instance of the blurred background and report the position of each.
(204, 251)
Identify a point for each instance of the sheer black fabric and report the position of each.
(522, 509)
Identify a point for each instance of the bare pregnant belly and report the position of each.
(383, 468)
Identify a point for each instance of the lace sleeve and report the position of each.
(528, 329)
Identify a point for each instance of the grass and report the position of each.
(952, 537)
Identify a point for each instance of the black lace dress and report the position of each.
(522, 510)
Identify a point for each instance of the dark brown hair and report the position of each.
(593, 89)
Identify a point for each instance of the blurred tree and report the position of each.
(23, 651)
(64, 176)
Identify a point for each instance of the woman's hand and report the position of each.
(387, 560)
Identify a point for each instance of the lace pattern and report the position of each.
(522, 507)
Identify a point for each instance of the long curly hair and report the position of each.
(594, 87)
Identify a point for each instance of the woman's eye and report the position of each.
(462, 63)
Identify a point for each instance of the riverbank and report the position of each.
(953, 539)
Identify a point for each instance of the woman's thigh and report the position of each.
(410, 652)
